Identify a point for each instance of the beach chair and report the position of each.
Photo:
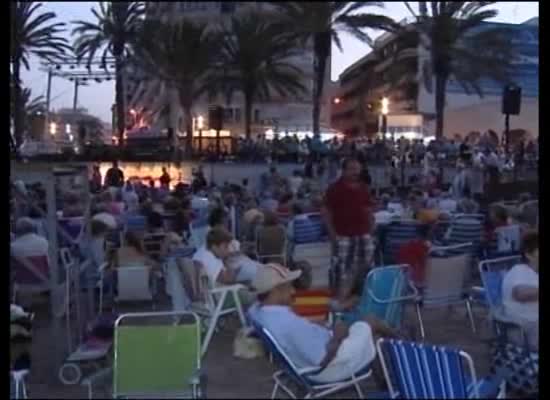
(511, 356)
(446, 278)
(271, 244)
(17, 382)
(386, 291)
(397, 234)
(304, 377)
(192, 290)
(309, 241)
(135, 223)
(157, 355)
(134, 284)
(198, 229)
(420, 371)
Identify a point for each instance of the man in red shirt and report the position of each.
(348, 214)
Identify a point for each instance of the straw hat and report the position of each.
(106, 218)
(273, 275)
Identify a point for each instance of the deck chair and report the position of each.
(198, 230)
(385, 293)
(189, 281)
(31, 274)
(309, 241)
(135, 223)
(419, 371)
(446, 278)
(511, 357)
(271, 244)
(134, 283)
(397, 234)
(157, 355)
(152, 244)
(304, 377)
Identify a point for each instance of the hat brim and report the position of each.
(292, 276)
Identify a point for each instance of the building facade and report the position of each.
(278, 115)
(356, 107)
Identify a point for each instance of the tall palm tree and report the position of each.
(32, 32)
(181, 54)
(116, 23)
(256, 60)
(320, 24)
(461, 46)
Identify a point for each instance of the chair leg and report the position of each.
(420, 322)
(470, 315)
(359, 391)
(274, 391)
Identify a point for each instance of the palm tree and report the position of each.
(115, 26)
(461, 46)
(33, 32)
(181, 54)
(256, 61)
(320, 23)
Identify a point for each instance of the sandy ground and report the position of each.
(229, 377)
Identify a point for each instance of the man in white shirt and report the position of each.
(341, 351)
(520, 290)
(27, 242)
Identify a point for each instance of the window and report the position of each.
(237, 115)
(256, 116)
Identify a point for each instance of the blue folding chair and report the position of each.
(397, 234)
(386, 291)
(420, 371)
(467, 230)
(308, 229)
(492, 273)
(304, 377)
(135, 223)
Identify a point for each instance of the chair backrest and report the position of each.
(156, 354)
(446, 276)
(385, 288)
(419, 371)
(397, 234)
(492, 274)
(508, 238)
(135, 223)
(31, 271)
(271, 240)
(152, 244)
(133, 283)
(279, 355)
(466, 231)
(308, 228)
(477, 217)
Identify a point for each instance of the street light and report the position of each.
(385, 109)
(337, 100)
(53, 128)
(200, 126)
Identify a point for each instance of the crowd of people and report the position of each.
(265, 213)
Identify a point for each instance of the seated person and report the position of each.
(498, 218)
(27, 243)
(520, 291)
(341, 351)
(271, 238)
(213, 255)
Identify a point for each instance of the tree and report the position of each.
(461, 46)
(320, 23)
(115, 26)
(181, 54)
(256, 60)
(32, 32)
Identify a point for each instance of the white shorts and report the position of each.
(355, 353)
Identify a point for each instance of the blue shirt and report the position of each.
(304, 342)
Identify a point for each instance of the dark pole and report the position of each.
(217, 143)
(75, 98)
(507, 132)
(200, 141)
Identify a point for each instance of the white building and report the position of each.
(278, 115)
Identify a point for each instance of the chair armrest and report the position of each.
(309, 371)
(412, 296)
(227, 288)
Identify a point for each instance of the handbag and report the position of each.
(246, 346)
(517, 365)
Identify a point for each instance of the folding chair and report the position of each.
(385, 293)
(134, 283)
(192, 288)
(31, 274)
(157, 355)
(309, 241)
(446, 278)
(271, 244)
(419, 371)
(198, 230)
(397, 234)
(19, 385)
(304, 377)
(135, 223)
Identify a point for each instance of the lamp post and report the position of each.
(385, 108)
(200, 126)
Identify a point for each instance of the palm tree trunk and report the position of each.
(248, 103)
(120, 101)
(18, 117)
(321, 49)
(440, 96)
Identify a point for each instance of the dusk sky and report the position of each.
(98, 98)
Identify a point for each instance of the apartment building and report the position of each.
(356, 107)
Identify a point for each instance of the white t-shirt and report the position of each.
(29, 245)
(212, 264)
(521, 274)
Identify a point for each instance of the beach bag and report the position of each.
(246, 346)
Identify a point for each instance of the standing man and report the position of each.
(114, 176)
(164, 178)
(349, 217)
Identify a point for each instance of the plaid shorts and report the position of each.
(352, 255)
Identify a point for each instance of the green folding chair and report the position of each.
(158, 355)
